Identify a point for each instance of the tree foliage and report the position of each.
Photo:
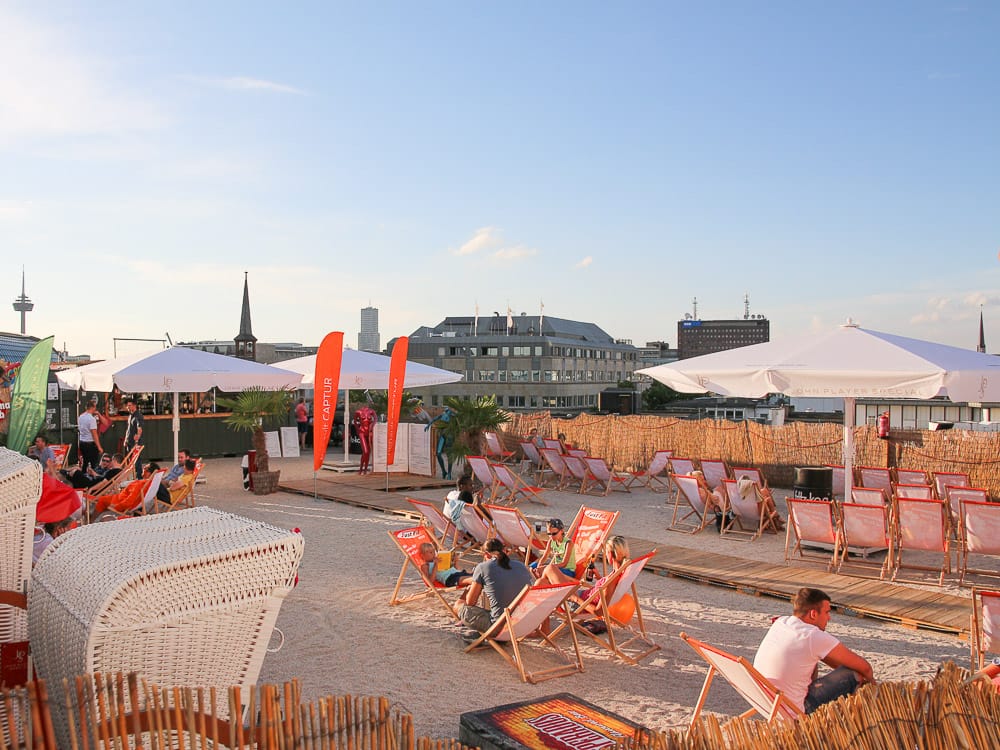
(464, 431)
(251, 410)
(658, 396)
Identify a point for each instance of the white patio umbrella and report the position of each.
(176, 370)
(361, 370)
(848, 362)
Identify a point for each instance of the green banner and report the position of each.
(27, 402)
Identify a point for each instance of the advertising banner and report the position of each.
(325, 385)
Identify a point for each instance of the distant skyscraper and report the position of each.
(368, 338)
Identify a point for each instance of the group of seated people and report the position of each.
(717, 500)
(174, 484)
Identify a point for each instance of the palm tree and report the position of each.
(464, 431)
(252, 409)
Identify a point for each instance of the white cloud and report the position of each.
(244, 83)
(585, 263)
(517, 252)
(11, 210)
(485, 238)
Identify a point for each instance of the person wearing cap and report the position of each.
(558, 551)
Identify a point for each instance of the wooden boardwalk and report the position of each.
(862, 597)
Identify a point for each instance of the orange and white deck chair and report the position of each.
(553, 445)
(409, 541)
(865, 527)
(656, 476)
(750, 472)
(534, 459)
(958, 495)
(578, 472)
(604, 478)
(588, 534)
(110, 486)
(186, 498)
(521, 620)
(687, 504)
(605, 601)
(515, 531)
(554, 460)
(910, 476)
(715, 471)
(875, 477)
(146, 502)
(919, 491)
(511, 489)
(440, 525)
(681, 466)
(61, 453)
(922, 526)
(869, 496)
(838, 479)
(495, 450)
(764, 698)
(750, 514)
(484, 475)
(985, 622)
(945, 479)
(475, 523)
(813, 521)
(979, 534)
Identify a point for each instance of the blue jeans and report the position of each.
(829, 687)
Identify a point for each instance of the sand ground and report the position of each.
(342, 637)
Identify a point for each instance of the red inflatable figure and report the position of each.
(364, 425)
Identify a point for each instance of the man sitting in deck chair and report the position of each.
(790, 653)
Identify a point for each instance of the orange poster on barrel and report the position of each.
(325, 385)
(397, 374)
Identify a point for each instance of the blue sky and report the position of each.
(613, 161)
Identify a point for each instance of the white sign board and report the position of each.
(401, 462)
(421, 461)
(272, 444)
(290, 442)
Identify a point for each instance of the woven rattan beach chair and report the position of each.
(813, 522)
(484, 476)
(910, 476)
(945, 479)
(715, 471)
(628, 639)
(656, 476)
(523, 619)
(920, 526)
(516, 532)
(985, 626)
(979, 534)
(876, 478)
(408, 541)
(864, 527)
(511, 489)
(764, 698)
(688, 505)
(587, 535)
(603, 477)
(186, 599)
(495, 451)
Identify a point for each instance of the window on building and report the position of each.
(533, 401)
(503, 376)
(538, 351)
(515, 401)
(487, 376)
(520, 376)
(434, 400)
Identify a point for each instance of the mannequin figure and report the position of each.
(443, 442)
(364, 425)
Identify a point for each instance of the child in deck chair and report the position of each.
(450, 577)
(558, 554)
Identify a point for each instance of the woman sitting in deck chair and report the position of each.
(745, 485)
(616, 554)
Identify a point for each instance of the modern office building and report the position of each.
(527, 361)
(368, 337)
(697, 337)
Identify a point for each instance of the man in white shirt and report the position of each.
(790, 653)
(89, 437)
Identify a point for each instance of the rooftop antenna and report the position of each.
(982, 335)
(694, 302)
(22, 304)
(746, 306)
(169, 341)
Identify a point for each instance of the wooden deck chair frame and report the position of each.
(515, 531)
(408, 541)
(984, 626)
(107, 486)
(522, 619)
(869, 496)
(481, 470)
(814, 521)
(715, 471)
(979, 534)
(441, 526)
(538, 466)
(919, 491)
(516, 489)
(557, 466)
(602, 475)
(866, 526)
(578, 470)
(749, 514)
(495, 450)
(875, 477)
(920, 525)
(945, 479)
(764, 698)
(553, 445)
(587, 535)
(687, 495)
(185, 499)
(145, 504)
(635, 644)
(910, 476)
(475, 524)
(652, 477)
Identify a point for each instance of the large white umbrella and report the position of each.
(848, 362)
(361, 370)
(176, 370)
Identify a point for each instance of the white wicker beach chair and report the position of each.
(184, 598)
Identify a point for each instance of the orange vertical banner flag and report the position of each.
(325, 385)
(397, 374)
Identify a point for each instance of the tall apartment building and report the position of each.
(368, 337)
(697, 337)
(531, 364)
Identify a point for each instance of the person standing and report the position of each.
(790, 653)
(133, 432)
(302, 422)
(89, 438)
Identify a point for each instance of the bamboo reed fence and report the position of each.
(106, 712)
(629, 442)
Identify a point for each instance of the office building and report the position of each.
(368, 337)
(697, 337)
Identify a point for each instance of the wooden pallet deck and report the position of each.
(862, 597)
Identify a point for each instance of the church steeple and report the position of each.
(246, 342)
(982, 335)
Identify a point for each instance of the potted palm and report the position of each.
(463, 432)
(250, 411)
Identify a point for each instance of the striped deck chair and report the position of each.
(985, 622)
(764, 698)
(920, 525)
(687, 503)
(529, 611)
(408, 541)
(979, 534)
(484, 475)
(495, 450)
(875, 477)
(715, 471)
(945, 479)
(144, 501)
(657, 474)
(587, 536)
(61, 452)
(604, 478)
(813, 521)
(864, 527)
(680, 467)
(554, 460)
(910, 476)
(511, 489)
(514, 530)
